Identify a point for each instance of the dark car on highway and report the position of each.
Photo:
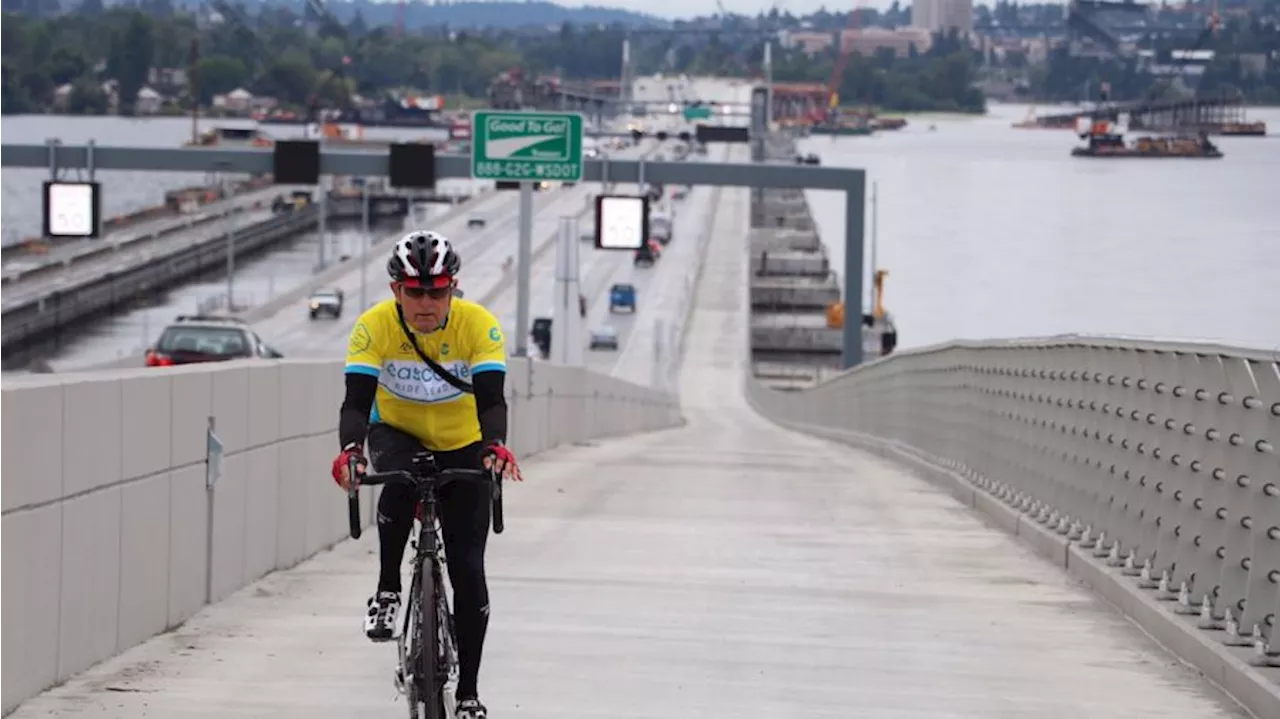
(541, 334)
(199, 338)
(622, 296)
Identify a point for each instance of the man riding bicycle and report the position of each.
(409, 360)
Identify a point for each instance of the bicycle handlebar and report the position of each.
(438, 479)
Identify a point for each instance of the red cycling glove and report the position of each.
(504, 461)
(344, 458)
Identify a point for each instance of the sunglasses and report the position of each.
(417, 293)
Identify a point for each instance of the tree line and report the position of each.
(276, 53)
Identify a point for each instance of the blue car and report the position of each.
(622, 295)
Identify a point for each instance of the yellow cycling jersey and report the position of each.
(413, 398)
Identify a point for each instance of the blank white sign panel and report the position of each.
(71, 210)
(621, 223)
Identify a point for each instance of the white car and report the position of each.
(604, 338)
(327, 302)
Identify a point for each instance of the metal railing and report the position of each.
(1157, 459)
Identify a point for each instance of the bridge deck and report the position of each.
(69, 250)
(31, 287)
(755, 573)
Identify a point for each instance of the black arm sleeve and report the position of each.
(353, 421)
(491, 405)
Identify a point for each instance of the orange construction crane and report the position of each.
(828, 114)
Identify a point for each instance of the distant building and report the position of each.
(810, 42)
(942, 15)
(869, 41)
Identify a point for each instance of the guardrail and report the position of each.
(141, 495)
(1148, 468)
(30, 321)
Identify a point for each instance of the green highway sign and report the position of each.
(697, 113)
(526, 146)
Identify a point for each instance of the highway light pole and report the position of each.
(364, 240)
(524, 259)
(231, 266)
(324, 212)
(566, 342)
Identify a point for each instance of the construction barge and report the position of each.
(1104, 142)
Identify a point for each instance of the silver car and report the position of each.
(604, 338)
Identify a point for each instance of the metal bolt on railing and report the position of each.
(1208, 620)
(1264, 655)
(1130, 567)
(1231, 626)
(1146, 576)
(1114, 559)
(1103, 547)
(1184, 604)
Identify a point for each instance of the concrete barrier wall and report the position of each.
(110, 535)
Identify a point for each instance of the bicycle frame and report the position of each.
(427, 675)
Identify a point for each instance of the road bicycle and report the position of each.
(427, 671)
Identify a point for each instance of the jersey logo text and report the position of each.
(417, 382)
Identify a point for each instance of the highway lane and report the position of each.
(118, 341)
(664, 292)
(671, 293)
(69, 250)
(598, 269)
(485, 275)
(262, 282)
(137, 244)
(485, 252)
(34, 287)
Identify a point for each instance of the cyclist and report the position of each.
(409, 360)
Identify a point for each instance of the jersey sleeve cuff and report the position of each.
(491, 366)
(364, 369)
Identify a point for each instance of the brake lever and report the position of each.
(353, 497)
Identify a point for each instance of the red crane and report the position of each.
(830, 113)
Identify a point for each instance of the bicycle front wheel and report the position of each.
(409, 651)
(427, 640)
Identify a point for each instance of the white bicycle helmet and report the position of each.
(424, 259)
